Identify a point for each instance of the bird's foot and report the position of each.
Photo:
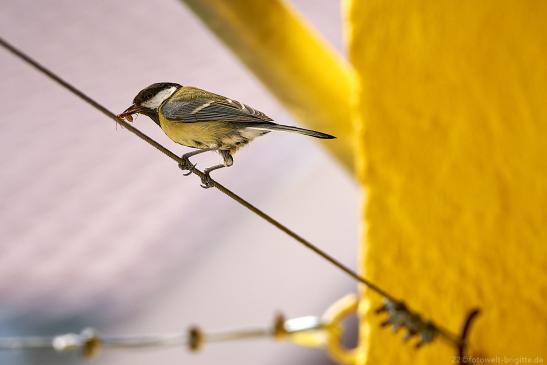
(186, 165)
(206, 181)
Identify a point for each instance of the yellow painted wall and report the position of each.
(452, 115)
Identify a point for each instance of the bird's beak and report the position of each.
(127, 114)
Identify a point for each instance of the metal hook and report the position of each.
(464, 334)
(333, 318)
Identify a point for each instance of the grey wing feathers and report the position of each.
(203, 109)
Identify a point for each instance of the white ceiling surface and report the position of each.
(97, 228)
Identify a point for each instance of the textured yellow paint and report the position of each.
(453, 154)
(290, 58)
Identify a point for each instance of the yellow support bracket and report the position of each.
(310, 79)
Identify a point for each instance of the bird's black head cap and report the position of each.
(150, 91)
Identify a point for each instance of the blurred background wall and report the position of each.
(98, 229)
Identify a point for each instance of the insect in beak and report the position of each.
(127, 114)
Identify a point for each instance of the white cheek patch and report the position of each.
(159, 98)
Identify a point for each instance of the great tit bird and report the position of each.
(209, 122)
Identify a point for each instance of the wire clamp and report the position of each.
(87, 341)
(399, 316)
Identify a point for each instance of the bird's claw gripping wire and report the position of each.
(206, 180)
(399, 316)
(186, 165)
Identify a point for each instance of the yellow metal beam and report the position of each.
(296, 65)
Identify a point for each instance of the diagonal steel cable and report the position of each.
(446, 334)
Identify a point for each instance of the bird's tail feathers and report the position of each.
(288, 128)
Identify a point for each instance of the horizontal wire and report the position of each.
(443, 332)
(89, 340)
(71, 341)
(75, 340)
(239, 335)
(30, 342)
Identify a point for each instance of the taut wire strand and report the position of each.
(195, 171)
(88, 341)
(22, 56)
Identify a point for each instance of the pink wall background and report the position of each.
(99, 229)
